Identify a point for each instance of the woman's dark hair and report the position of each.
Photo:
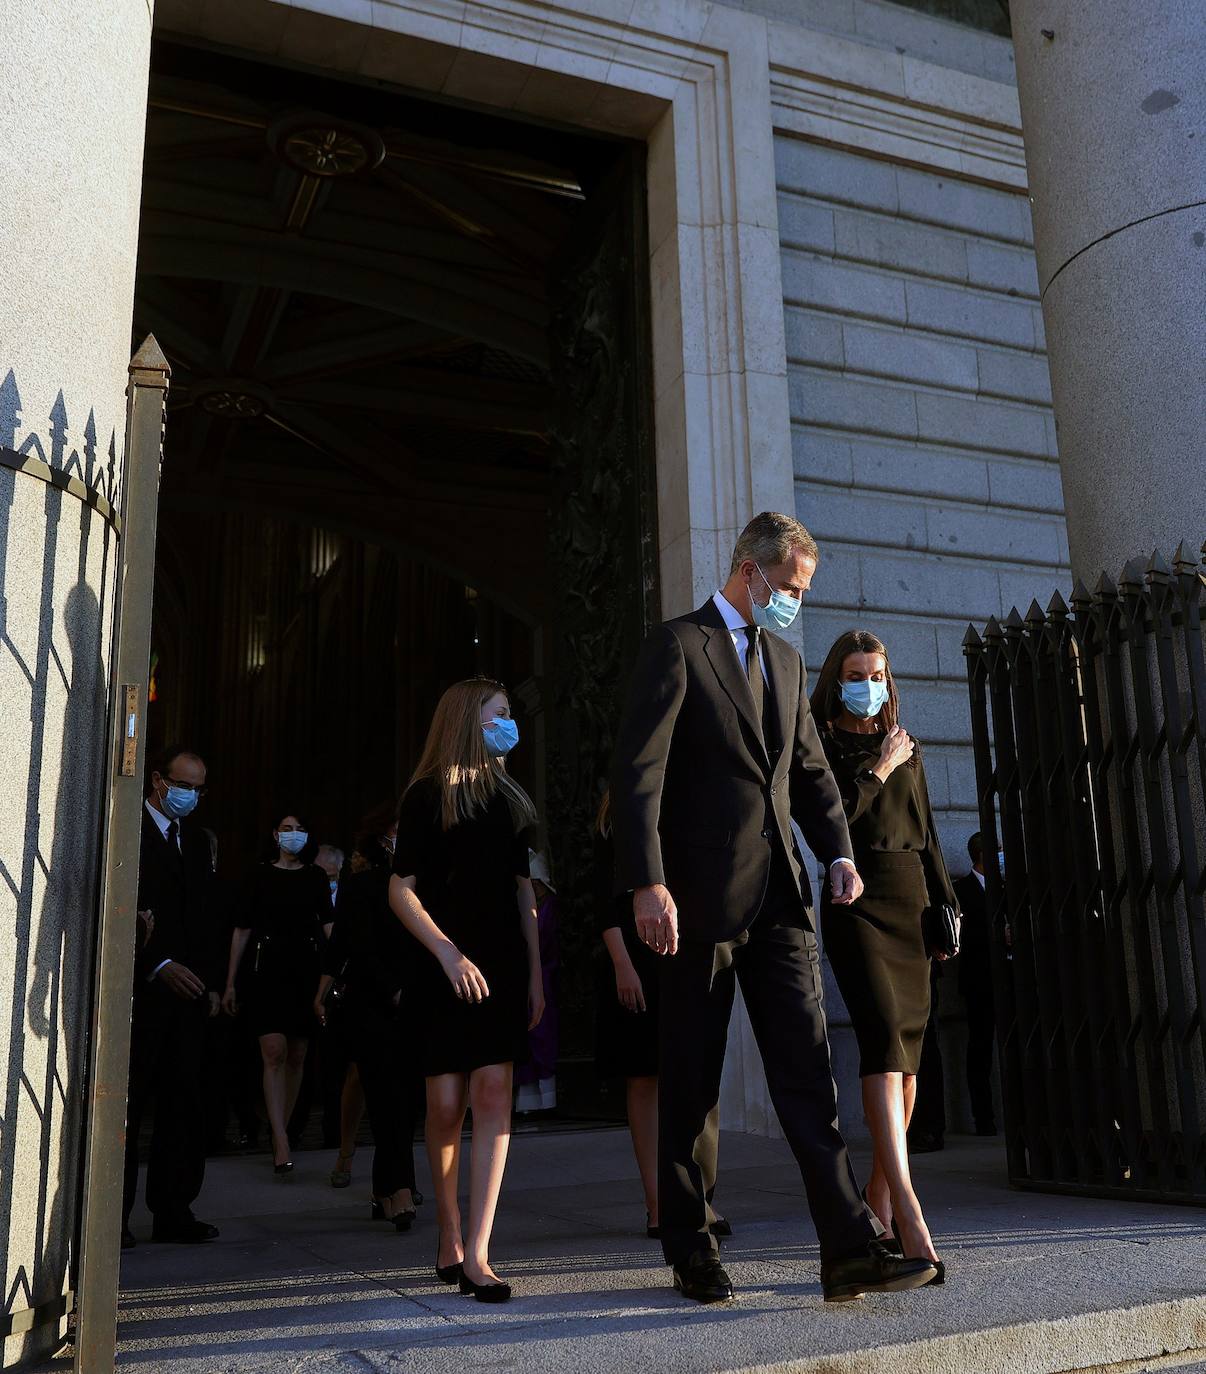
(373, 825)
(826, 699)
(297, 815)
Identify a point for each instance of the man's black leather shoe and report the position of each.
(873, 1271)
(701, 1276)
(189, 1232)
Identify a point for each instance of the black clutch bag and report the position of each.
(940, 926)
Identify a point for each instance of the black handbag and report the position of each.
(941, 928)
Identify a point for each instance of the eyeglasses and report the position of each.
(187, 786)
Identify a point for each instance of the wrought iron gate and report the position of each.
(1089, 731)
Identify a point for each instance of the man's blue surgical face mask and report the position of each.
(501, 735)
(179, 802)
(779, 611)
(293, 841)
(864, 699)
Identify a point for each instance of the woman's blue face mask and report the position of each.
(864, 699)
(501, 736)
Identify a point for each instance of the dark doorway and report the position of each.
(408, 440)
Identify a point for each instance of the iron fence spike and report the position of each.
(1132, 574)
(1182, 563)
(1035, 616)
(1157, 568)
(992, 629)
(1057, 607)
(971, 640)
(1081, 596)
(1105, 590)
(1013, 623)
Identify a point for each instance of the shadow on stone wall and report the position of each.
(56, 554)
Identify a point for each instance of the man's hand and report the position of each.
(656, 918)
(845, 886)
(182, 981)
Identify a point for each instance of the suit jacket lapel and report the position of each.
(785, 699)
(718, 647)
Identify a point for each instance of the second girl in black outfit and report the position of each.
(373, 958)
(461, 887)
(286, 909)
(877, 946)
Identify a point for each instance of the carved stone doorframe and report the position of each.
(690, 79)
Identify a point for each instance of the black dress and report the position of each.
(465, 879)
(876, 946)
(285, 909)
(626, 1042)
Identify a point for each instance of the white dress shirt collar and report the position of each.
(159, 818)
(734, 621)
(979, 877)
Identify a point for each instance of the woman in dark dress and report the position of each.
(626, 1031)
(371, 959)
(286, 907)
(461, 888)
(626, 1028)
(877, 946)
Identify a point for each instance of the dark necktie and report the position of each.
(173, 839)
(758, 690)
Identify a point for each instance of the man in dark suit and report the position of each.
(975, 983)
(177, 973)
(716, 755)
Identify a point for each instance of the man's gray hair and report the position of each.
(770, 538)
(329, 851)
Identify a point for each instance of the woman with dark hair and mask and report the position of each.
(461, 887)
(371, 958)
(285, 906)
(878, 946)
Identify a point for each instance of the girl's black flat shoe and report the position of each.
(653, 1232)
(450, 1273)
(484, 1292)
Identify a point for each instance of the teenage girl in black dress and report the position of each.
(286, 910)
(461, 887)
(877, 946)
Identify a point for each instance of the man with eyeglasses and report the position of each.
(176, 973)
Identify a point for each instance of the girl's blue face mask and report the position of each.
(864, 699)
(779, 611)
(501, 735)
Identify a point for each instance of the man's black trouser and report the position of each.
(981, 1036)
(167, 1041)
(778, 965)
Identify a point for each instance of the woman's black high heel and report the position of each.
(449, 1273)
(893, 1247)
(484, 1292)
(939, 1278)
(376, 1210)
(403, 1221)
(653, 1232)
(283, 1170)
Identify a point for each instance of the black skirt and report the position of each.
(458, 1036)
(879, 957)
(281, 987)
(626, 1042)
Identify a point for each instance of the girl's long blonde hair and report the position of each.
(455, 757)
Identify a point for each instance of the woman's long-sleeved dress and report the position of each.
(876, 946)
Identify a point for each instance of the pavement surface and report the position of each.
(302, 1282)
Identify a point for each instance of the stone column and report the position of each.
(73, 85)
(1114, 118)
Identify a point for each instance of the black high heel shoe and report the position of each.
(892, 1246)
(939, 1278)
(484, 1292)
(449, 1273)
(653, 1232)
(283, 1170)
